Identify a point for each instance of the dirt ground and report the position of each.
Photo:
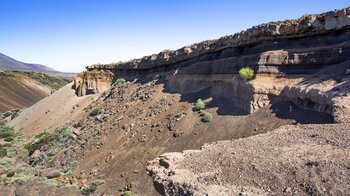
(292, 160)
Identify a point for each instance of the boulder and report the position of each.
(50, 173)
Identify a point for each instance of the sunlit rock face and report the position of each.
(293, 49)
(92, 82)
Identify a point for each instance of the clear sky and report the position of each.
(67, 35)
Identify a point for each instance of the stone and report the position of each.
(36, 154)
(288, 190)
(50, 173)
(76, 132)
(73, 137)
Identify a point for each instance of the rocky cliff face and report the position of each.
(306, 26)
(291, 49)
(92, 82)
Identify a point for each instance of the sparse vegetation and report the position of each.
(162, 98)
(95, 111)
(176, 134)
(246, 73)
(15, 113)
(44, 79)
(40, 140)
(50, 182)
(3, 151)
(120, 82)
(305, 16)
(6, 132)
(127, 193)
(200, 105)
(207, 117)
(128, 190)
(92, 187)
(64, 131)
(10, 173)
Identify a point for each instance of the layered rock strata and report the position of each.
(306, 26)
(292, 49)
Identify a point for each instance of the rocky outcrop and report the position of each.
(292, 160)
(294, 50)
(92, 82)
(308, 25)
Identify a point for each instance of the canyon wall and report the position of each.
(306, 26)
(293, 49)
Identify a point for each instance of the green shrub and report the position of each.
(5, 162)
(11, 153)
(40, 140)
(68, 132)
(246, 73)
(3, 151)
(162, 98)
(119, 82)
(50, 182)
(15, 113)
(200, 105)
(176, 134)
(305, 16)
(98, 182)
(95, 111)
(92, 187)
(18, 137)
(127, 193)
(7, 145)
(207, 117)
(6, 114)
(6, 134)
(89, 190)
(22, 178)
(9, 139)
(10, 173)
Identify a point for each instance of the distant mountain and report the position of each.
(10, 64)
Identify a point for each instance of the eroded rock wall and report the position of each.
(93, 82)
(292, 49)
(306, 26)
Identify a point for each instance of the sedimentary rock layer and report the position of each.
(306, 26)
(294, 50)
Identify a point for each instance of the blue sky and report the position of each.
(67, 35)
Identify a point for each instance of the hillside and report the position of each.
(292, 160)
(10, 64)
(23, 89)
(112, 131)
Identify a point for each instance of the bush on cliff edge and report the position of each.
(246, 73)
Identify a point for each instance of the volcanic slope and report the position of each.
(58, 109)
(141, 120)
(23, 89)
